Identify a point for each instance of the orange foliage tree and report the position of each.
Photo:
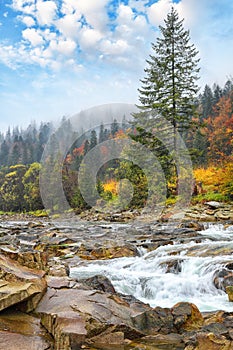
(219, 129)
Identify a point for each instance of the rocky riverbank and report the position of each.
(42, 307)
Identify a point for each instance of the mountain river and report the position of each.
(171, 273)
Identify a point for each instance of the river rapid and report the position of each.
(179, 271)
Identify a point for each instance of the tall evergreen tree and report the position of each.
(114, 127)
(169, 88)
(93, 139)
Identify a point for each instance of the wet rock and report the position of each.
(223, 278)
(229, 290)
(99, 282)
(173, 266)
(187, 316)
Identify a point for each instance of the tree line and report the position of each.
(169, 107)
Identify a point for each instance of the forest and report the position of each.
(210, 146)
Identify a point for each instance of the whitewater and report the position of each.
(171, 273)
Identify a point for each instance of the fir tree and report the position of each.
(114, 127)
(169, 88)
(93, 139)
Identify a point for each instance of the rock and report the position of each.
(113, 335)
(187, 316)
(195, 225)
(214, 204)
(213, 317)
(213, 342)
(99, 282)
(159, 341)
(59, 282)
(19, 284)
(77, 316)
(216, 328)
(229, 290)
(58, 268)
(104, 253)
(73, 315)
(154, 320)
(32, 259)
(223, 278)
(173, 266)
(21, 331)
(222, 215)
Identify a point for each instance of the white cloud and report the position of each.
(69, 25)
(94, 11)
(89, 38)
(32, 35)
(24, 6)
(46, 12)
(65, 47)
(118, 47)
(158, 11)
(28, 21)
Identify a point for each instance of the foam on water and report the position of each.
(189, 278)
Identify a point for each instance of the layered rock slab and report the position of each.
(20, 285)
(22, 331)
(80, 316)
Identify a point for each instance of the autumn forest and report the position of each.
(209, 144)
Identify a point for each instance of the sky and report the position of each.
(58, 57)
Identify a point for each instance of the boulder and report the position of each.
(20, 285)
(214, 204)
(99, 282)
(223, 278)
(78, 316)
(187, 317)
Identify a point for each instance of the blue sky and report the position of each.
(58, 57)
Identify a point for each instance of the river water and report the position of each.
(171, 273)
